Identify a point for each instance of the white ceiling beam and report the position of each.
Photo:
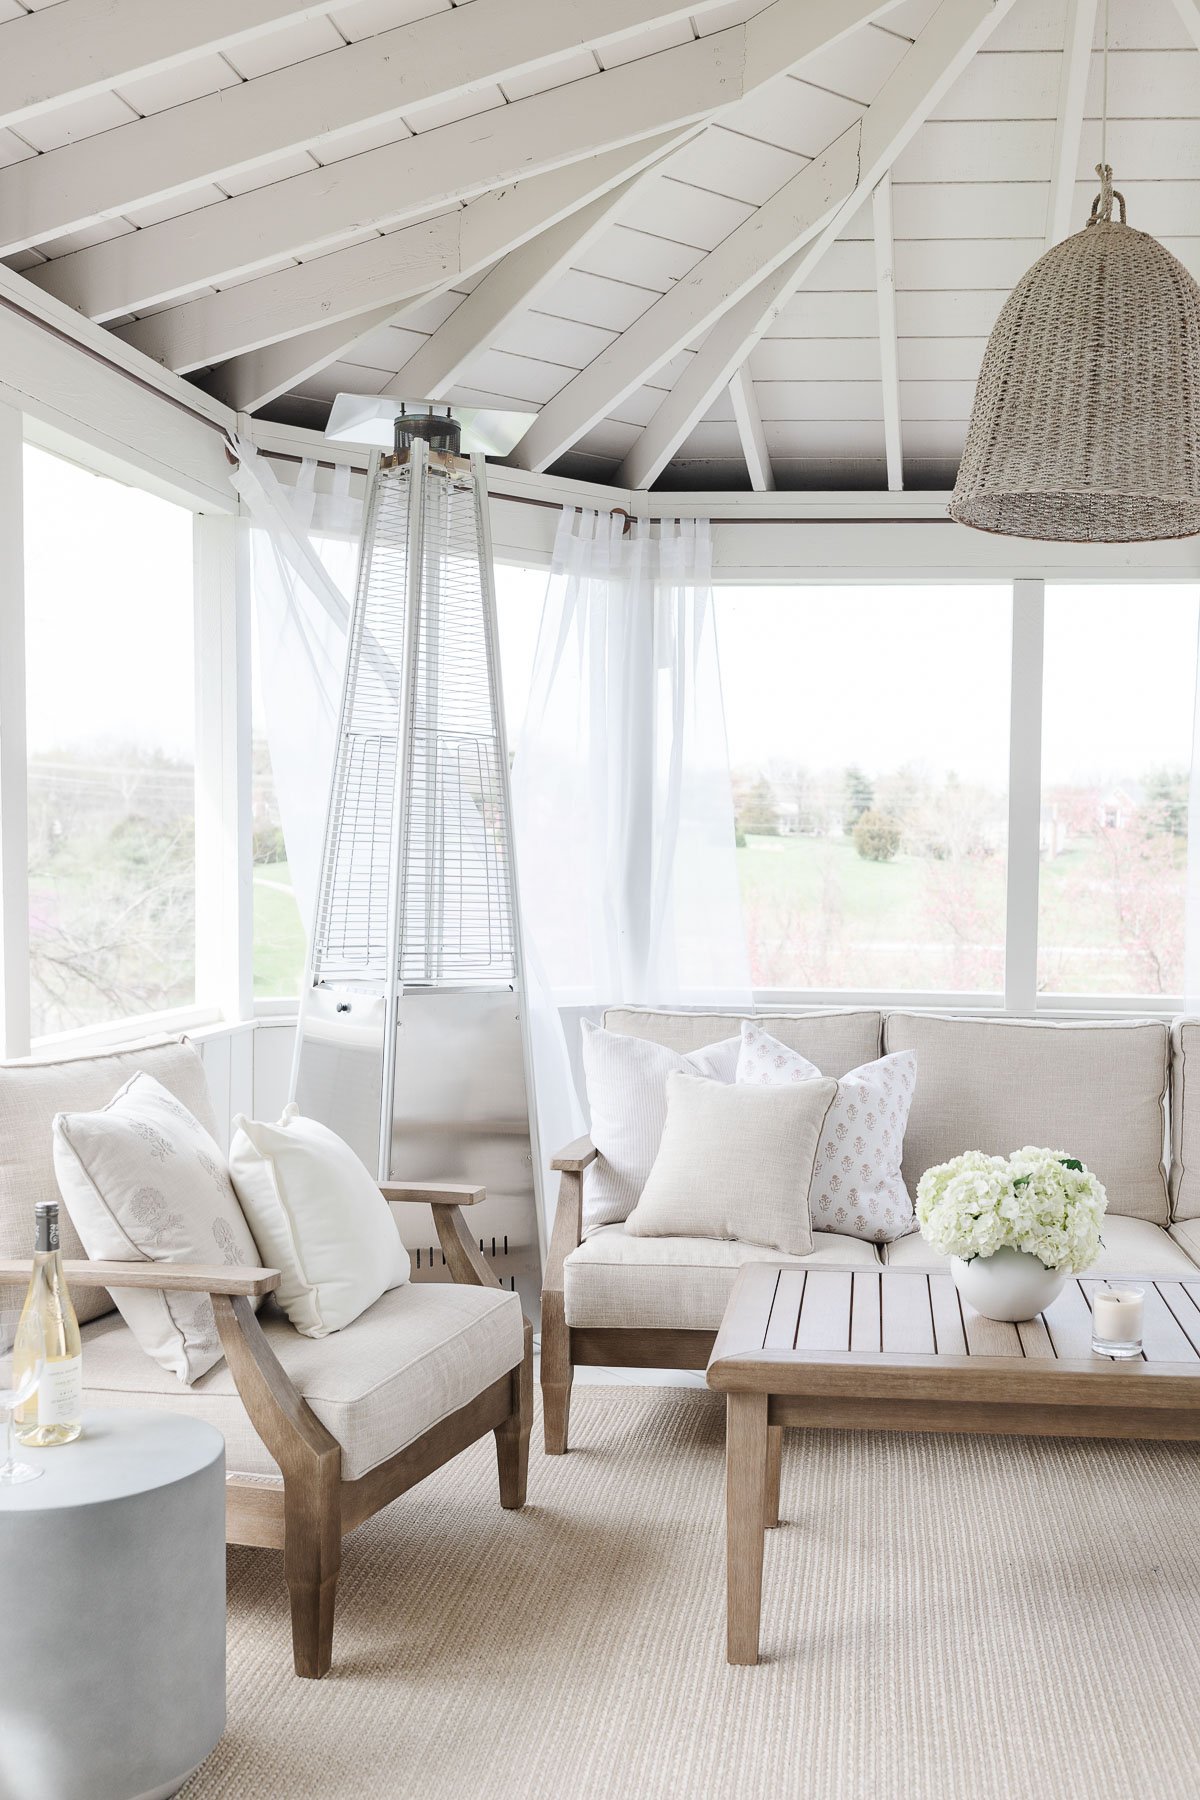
(77, 48)
(723, 278)
(438, 59)
(406, 180)
(415, 260)
(1068, 124)
(889, 360)
(937, 58)
(492, 226)
(507, 289)
(1189, 12)
(750, 431)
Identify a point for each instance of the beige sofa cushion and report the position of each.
(676, 1284)
(836, 1040)
(1129, 1247)
(31, 1093)
(1095, 1091)
(1185, 1119)
(418, 1354)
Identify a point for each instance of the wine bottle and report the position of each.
(54, 1412)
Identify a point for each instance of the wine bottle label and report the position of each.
(60, 1392)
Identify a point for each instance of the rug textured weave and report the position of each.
(944, 1619)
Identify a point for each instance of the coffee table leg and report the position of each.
(774, 1469)
(745, 1511)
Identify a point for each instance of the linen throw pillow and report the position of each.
(144, 1182)
(627, 1099)
(319, 1218)
(735, 1163)
(857, 1186)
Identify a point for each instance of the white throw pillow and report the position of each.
(319, 1218)
(857, 1186)
(735, 1163)
(627, 1101)
(144, 1182)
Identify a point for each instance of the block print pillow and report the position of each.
(857, 1187)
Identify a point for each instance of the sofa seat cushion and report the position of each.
(1186, 1232)
(1095, 1091)
(417, 1355)
(676, 1283)
(1129, 1247)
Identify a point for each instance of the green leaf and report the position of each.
(1072, 1162)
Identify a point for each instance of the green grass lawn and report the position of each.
(278, 933)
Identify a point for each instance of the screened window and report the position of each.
(111, 748)
(868, 744)
(1119, 677)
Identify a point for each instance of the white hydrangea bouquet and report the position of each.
(1014, 1226)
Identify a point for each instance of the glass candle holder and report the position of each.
(1118, 1315)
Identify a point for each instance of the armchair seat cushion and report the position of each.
(417, 1355)
(676, 1283)
(1130, 1247)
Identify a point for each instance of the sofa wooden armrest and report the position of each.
(185, 1278)
(432, 1193)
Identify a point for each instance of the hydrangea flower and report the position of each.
(1040, 1201)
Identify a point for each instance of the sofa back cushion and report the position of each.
(1095, 1091)
(31, 1093)
(1185, 1119)
(836, 1040)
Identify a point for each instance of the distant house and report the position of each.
(787, 818)
(1118, 806)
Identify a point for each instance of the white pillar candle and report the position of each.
(1117, 1314)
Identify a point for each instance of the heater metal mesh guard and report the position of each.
(449, 833)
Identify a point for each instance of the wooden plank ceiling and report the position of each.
(717, 245)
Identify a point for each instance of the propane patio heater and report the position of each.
(413, 1042)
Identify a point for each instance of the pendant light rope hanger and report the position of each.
(1086, 421)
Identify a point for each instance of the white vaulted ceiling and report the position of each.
(716, 245)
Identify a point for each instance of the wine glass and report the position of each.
(21, 1365)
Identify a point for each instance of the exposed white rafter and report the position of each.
(406, 180)
(491, 226)
(1189, 12)
(77, 48)
(889, 362)
(436, 59)
(1068, 125)
(416, 259)
(750, 431)
(955, 32)
(513, 284)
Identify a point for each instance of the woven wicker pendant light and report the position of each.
(1086, 421)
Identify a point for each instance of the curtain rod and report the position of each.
(622, 512)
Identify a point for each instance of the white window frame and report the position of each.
(140, 425)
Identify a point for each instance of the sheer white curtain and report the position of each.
(302, 551)
(621, 791)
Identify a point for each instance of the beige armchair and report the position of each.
(320, 1434)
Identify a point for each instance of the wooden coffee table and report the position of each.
(894, 1350)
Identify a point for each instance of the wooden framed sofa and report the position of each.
(1098, 1089)
(321, 1433)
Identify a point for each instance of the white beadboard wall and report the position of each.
(248, 1067)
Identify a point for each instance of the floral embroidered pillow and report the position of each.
(857, 1187)
(144, 1182)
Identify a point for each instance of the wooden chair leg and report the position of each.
(512, 1438)
(557, 1374)
(312, 1559)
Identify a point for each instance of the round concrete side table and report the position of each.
(112, 1611)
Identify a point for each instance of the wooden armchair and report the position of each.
(309, 1515)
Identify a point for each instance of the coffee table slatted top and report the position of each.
(853, 1332)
